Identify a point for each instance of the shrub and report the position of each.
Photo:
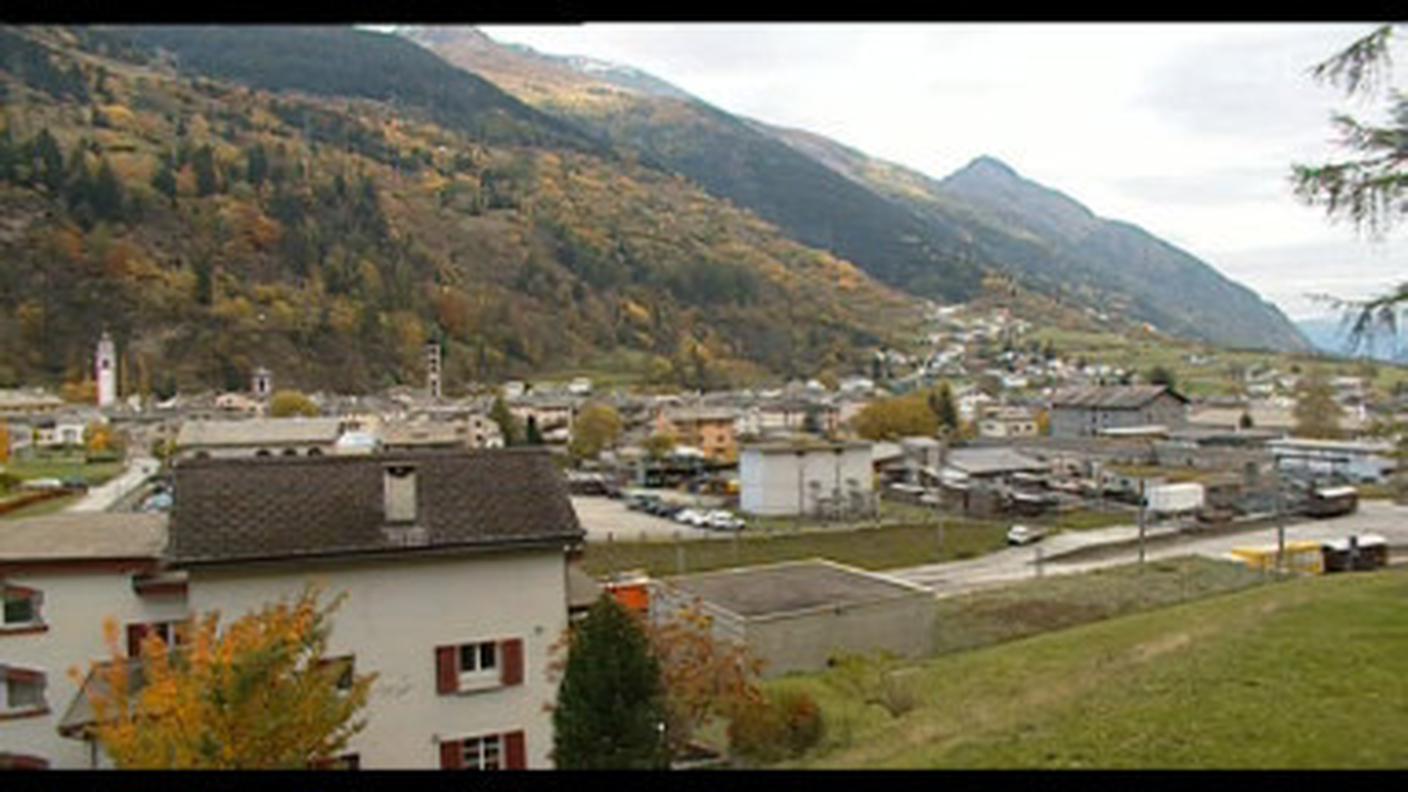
(785, 725)
(803, 720)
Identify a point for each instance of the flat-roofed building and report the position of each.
(799, 615)
(808, 476)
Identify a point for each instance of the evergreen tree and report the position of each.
(164, 180)
(610, 712)
(48, 162)
(531, 435)
(508, 425)
(258, 166)
(203, 161)
(1161, 375)
(107, 196)
(205, 287)
(942, 403)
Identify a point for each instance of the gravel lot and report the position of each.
(603, 517)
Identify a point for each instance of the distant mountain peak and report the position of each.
(988, 164)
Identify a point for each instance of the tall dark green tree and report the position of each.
(944, 407)
(531, 434)
(1370, 187)
(610, 712)
(48, 168)
(107, 194)
(164, 180)
(508, 424)
(1161, 375)
(203, 161)
(257, 168)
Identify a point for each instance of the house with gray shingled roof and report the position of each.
(1088, 411)
(454, 566)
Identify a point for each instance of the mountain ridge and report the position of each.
(984, 216)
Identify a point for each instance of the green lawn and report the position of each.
(63, 467)
(1087, 519)
(1306, 673)
(868, 548)
(1054, 603)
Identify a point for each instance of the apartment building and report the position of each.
(454, 566)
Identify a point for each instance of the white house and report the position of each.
(785, 478)
(454, 566)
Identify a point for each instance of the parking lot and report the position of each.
(604, 518)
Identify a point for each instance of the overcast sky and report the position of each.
(1186, 130)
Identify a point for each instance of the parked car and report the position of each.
(638, 502)
(691, 517)
(1024, 535)
(724, 521)
(76, 483)
(42, 484)
(660, 508)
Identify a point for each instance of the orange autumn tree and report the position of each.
(704, 678)
(260, 694)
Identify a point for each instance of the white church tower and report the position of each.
(432, 369)
(106, 371)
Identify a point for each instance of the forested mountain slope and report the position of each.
(214, 225)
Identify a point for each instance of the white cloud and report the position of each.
(1186, 130)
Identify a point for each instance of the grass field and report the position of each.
(63, 467)
(868, 548)
(1305, 673)
(1036, 606)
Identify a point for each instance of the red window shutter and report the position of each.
(29, 763)
(451, 754)
(512, 651)
(24, 675)
(515, 751)
(447, 672)
(135, 634)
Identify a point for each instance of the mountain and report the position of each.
(1331, 335)
(931, 237)
(1054, 243)
(326, 217)
(731, 159)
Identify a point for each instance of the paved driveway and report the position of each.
(103, 497)
(1004, 566)
(604, 518)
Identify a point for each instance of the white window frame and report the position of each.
(479, 677)
(481, 754)
(7, 708)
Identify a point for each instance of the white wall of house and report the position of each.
(397, 612)
(768, 480)
(75, 603)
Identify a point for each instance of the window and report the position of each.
(21, 607)
(170, 633)
(347, 670)
(482, 753)
(478, 666)
(22, 692)
(506, 751)
(478, 657)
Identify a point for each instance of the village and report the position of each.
(151, 511)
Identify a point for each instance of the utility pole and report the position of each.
(1280, 521)
(1143, 504)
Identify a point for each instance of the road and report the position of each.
(1005, 566)
(105, 496)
